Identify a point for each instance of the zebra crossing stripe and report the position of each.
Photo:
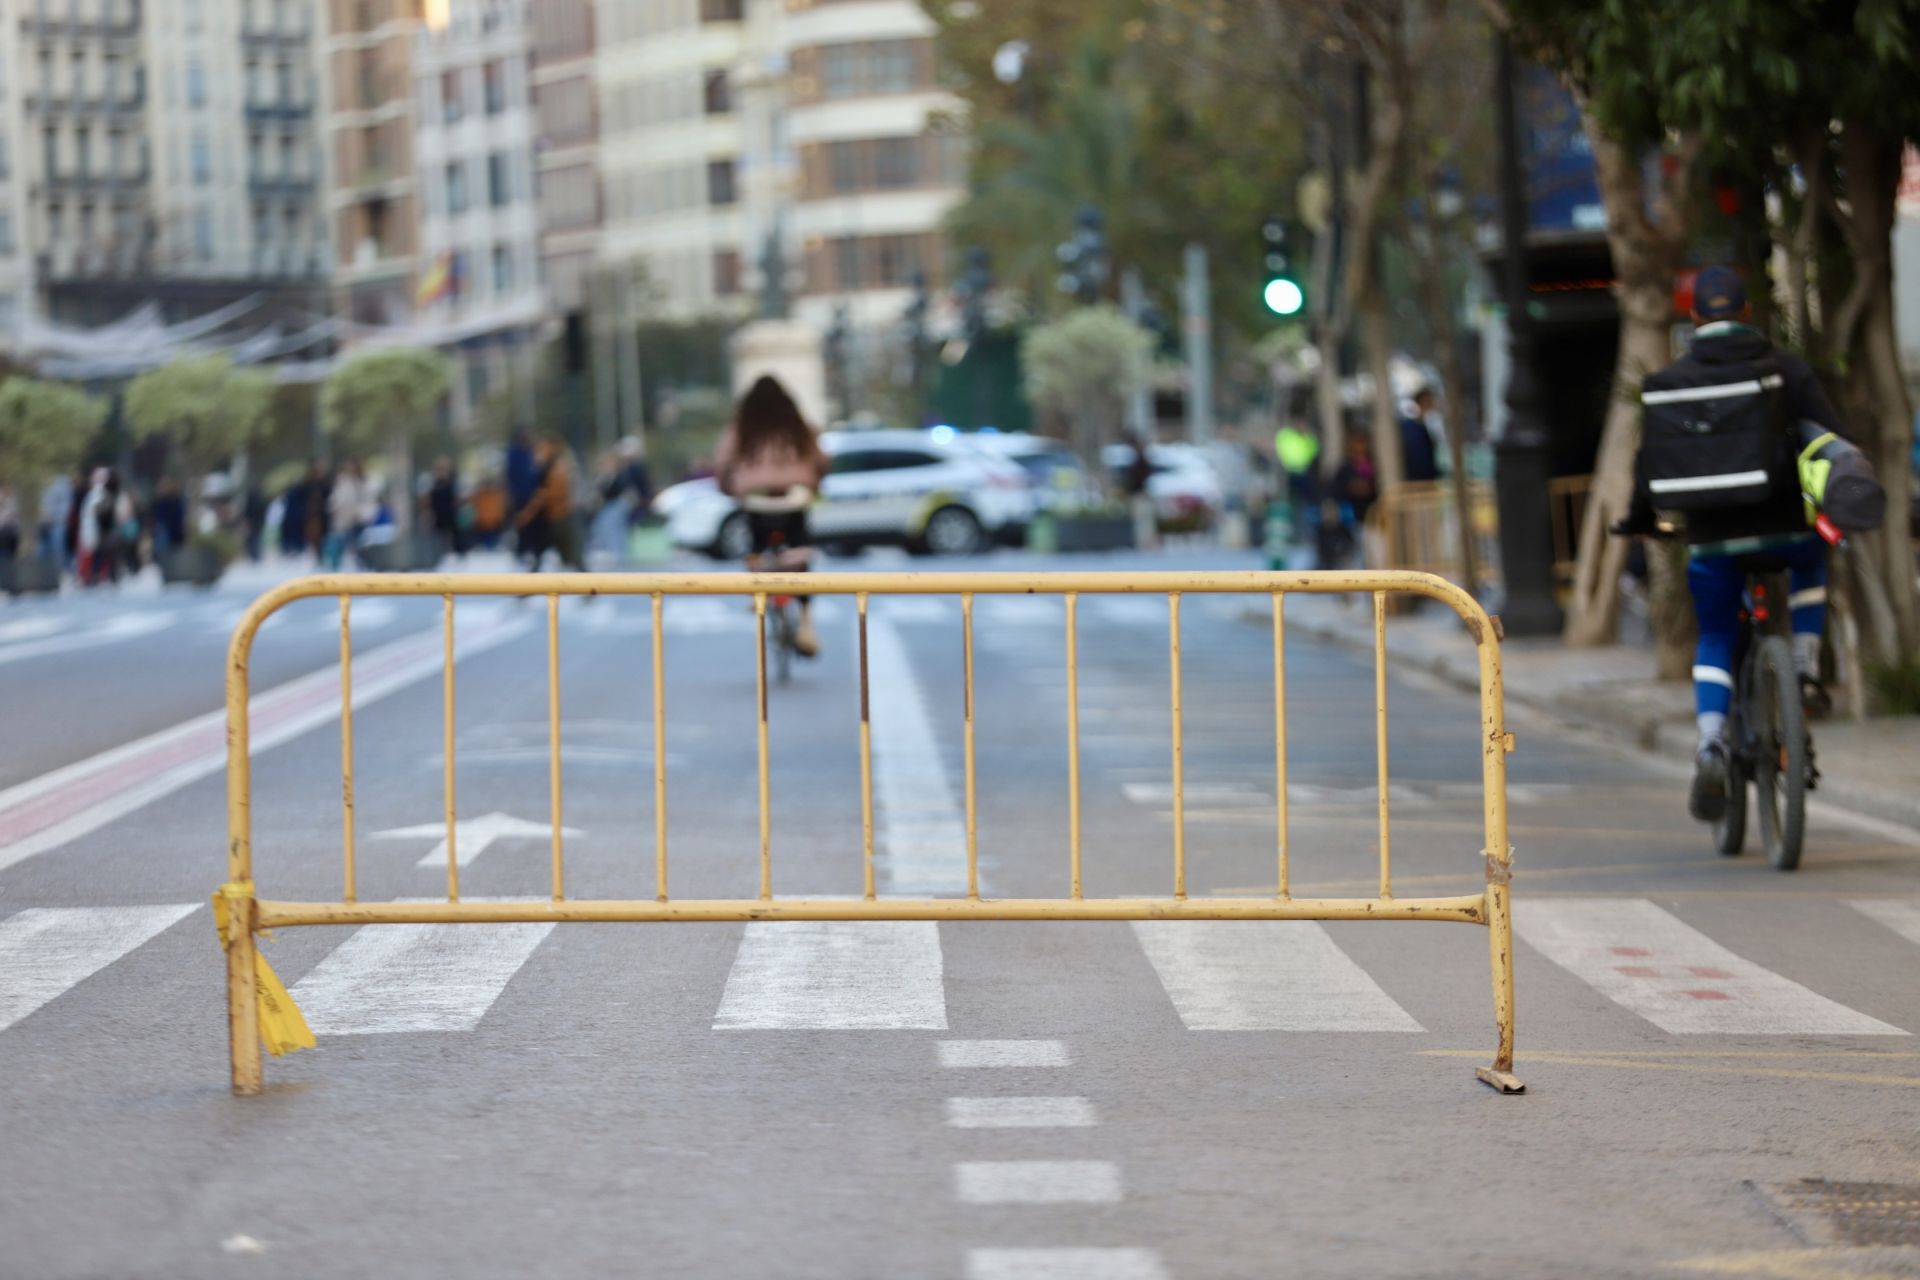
(1265, 975)
(414, 977)
(44, 951)
(1652, 964)
(836, 975)
(1064, 1263)
(1901, 917)
(922, 838)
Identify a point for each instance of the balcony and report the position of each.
(109, 105)
(85, 185)
(49, 26)
(281, 112)
(265, 186)
(274, 38)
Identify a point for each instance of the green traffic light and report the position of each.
(1284, 297)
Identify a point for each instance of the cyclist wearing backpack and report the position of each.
(1720, 444)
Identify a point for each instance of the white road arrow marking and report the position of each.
(472, 836)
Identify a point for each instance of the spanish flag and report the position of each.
(442, 280)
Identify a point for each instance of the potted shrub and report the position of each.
(207, 411)
(1093, 528)
(44, 429)
(384, 402)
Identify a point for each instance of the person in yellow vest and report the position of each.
(1297, 450)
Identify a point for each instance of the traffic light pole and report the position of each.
(1522, 464)
(1197, 328)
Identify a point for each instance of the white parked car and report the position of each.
(1060, 479)
(925, 490)
(1185, 488)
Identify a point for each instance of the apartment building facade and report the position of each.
(479, 295)
(163, 150)
(374, 201)
(566, 113)
(739, 137)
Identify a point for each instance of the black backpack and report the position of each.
(1715, 436)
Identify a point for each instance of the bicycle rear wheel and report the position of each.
(1780, 752)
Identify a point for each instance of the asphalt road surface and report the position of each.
(1001, 1101)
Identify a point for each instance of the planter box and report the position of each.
(33, 574)
(197, 566)
(1093, 533)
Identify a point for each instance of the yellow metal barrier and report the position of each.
(1414, 526)
(244, 914)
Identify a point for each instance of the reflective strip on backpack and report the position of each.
(1695, 484)
(1725, 391)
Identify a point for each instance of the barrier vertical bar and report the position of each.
(659, 756)
(1179, 754)
(243, 1012)
(350, 893)
(553, 741)
(866, 756)
(1285, 889)
(760, 679)
(973, 825)
(1380, 735)
(1495, 743)
(446, 687)
(1073, 741)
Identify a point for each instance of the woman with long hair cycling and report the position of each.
(770, 462)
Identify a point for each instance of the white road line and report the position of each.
(1021, 611)
(55, 808)
(1064, 1264)
(1265, 975)
(836, 975)
(1036, 1182)
(912, 609)
(1021, 1113)
(33, 628)
(1901, 917)
(126, 626)
(963, 1054)
(44, 951)
(1129, 611)
(1674, 976)
(703, 615)
(922, 838)
(414, 977)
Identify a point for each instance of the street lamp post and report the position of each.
(1522, 466)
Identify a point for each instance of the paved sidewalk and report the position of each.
(1870, 766)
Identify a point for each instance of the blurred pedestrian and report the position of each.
(1298, 450)
(443, 507)
(546, 522)
(9, 524)
(253, 513)
(1419, 460)
(522, 474)
(56, 507)
(347, 505)
(293, 518)
(169, 516)
(488, 503)
(98, 530)
(1135, 476)
(1351, 495)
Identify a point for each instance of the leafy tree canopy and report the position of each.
(205, 407)
(374, 399)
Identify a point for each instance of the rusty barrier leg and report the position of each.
(257, 1002)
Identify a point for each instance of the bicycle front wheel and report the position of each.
(1780, 753)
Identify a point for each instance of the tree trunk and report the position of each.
(1376, 338)
(1333, 424)
(1675, 630)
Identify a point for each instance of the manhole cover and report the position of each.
(1850, 1213)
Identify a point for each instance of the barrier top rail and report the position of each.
(245, 914)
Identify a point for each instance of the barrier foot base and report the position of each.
(1500, 1081)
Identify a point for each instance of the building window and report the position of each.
(55, 220)
(200, 160)
(843, 165)
(50, 153)
(457, 276)
(846, 263)
(896, 163)
(6, 159)
(722, 10)
(502, 269)
(203, 235)
(6, 233)
(196, 85)
(83, 153)
(840, 71)
(891, 69)
(499, 180)
(496, 84)
(719, 93)
(720, 190)
(451, 106)
(456, 188)
(726, 272)
(882, 66)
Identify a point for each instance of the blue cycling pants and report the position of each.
(1716, 583)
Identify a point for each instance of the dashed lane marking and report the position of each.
(1901, 917)
(1064, 1264)
(836, 975)
(966, 1054)
(1676, 977)
(1067, 1112)
(985, 1182)
(1265, 975)
(44, 951)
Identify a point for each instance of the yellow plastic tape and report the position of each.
(282, 1026)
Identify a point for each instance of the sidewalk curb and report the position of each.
(1669, 740)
